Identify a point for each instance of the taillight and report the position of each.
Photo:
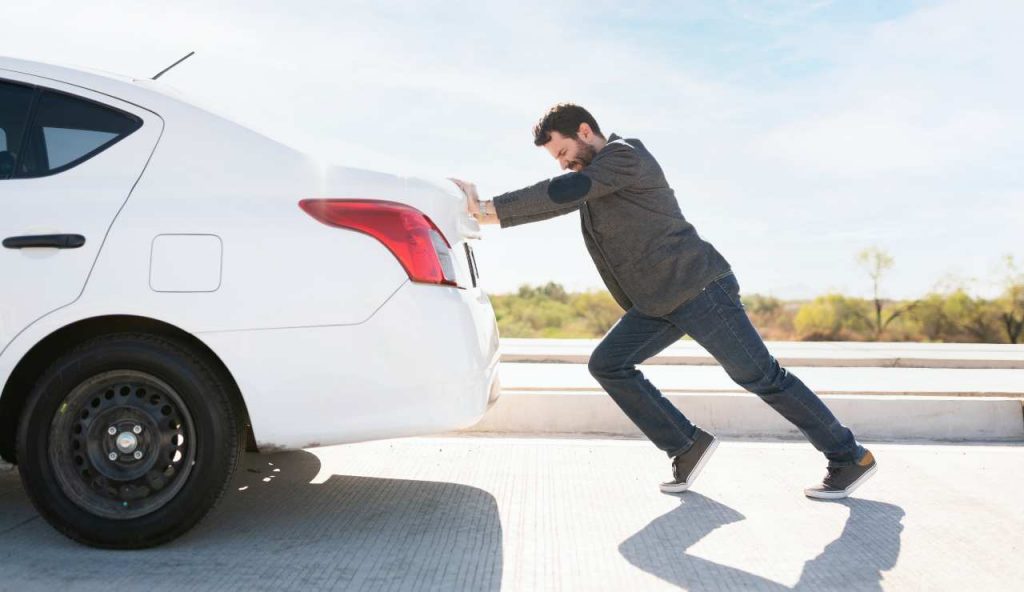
(408, 233)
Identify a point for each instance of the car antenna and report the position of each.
(164, 71)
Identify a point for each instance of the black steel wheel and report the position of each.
(128, 441)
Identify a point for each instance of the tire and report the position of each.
(127, 441)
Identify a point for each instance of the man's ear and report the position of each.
(584, 131)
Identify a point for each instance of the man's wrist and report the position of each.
(486, 212)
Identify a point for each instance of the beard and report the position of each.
(584, 155)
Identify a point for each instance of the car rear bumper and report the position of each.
(425, 362)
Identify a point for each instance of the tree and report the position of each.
(1011, 303)
(772, 316)
(976, 318)
(932, 320)
(832, 317)
(598, 311)
(876, 262)
(550, 291)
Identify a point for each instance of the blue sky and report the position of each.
(795, 133)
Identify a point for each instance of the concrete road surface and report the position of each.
(472, 513)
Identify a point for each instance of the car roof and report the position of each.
(150, 94)
(155, 96)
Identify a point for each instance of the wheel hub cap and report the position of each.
(127, 442)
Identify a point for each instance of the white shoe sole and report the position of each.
(678, 487)
(844, 493)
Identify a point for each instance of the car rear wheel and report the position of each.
(128, 441)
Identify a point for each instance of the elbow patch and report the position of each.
(568, 188)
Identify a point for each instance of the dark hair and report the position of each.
(564, 118)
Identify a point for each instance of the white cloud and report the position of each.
(906, 134)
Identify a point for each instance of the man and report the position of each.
(671, 283)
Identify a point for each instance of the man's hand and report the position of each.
(473, 205)
(472, 197)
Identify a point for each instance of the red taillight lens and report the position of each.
(408, 233)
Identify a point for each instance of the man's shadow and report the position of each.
(868, 545)
(275, 530)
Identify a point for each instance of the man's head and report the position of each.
(570, 134)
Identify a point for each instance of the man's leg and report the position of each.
(635, 338)
(717, 320)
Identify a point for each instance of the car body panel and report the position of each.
(421, 365)
(311, 321)
(83, 200)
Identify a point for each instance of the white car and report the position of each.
(172, 281)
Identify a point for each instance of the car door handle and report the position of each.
(56, 241)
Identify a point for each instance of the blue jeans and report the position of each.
(716, 320)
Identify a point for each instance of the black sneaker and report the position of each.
(841, 481)
(686, 466)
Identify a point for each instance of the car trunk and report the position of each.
(439, 199)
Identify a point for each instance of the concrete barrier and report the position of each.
(939, 382)
(744, 415)
(790, 353)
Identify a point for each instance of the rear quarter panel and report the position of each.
(280, 267)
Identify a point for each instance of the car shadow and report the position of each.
(868, 545)
(276, 530)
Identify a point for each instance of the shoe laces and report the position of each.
(832, 473)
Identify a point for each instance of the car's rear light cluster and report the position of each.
(408, 233)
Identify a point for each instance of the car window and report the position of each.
(15, 102)
(66, 131)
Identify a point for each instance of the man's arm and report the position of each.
(509, 221)
(615, 167)
(485, 213)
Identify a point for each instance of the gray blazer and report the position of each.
(648, 255)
